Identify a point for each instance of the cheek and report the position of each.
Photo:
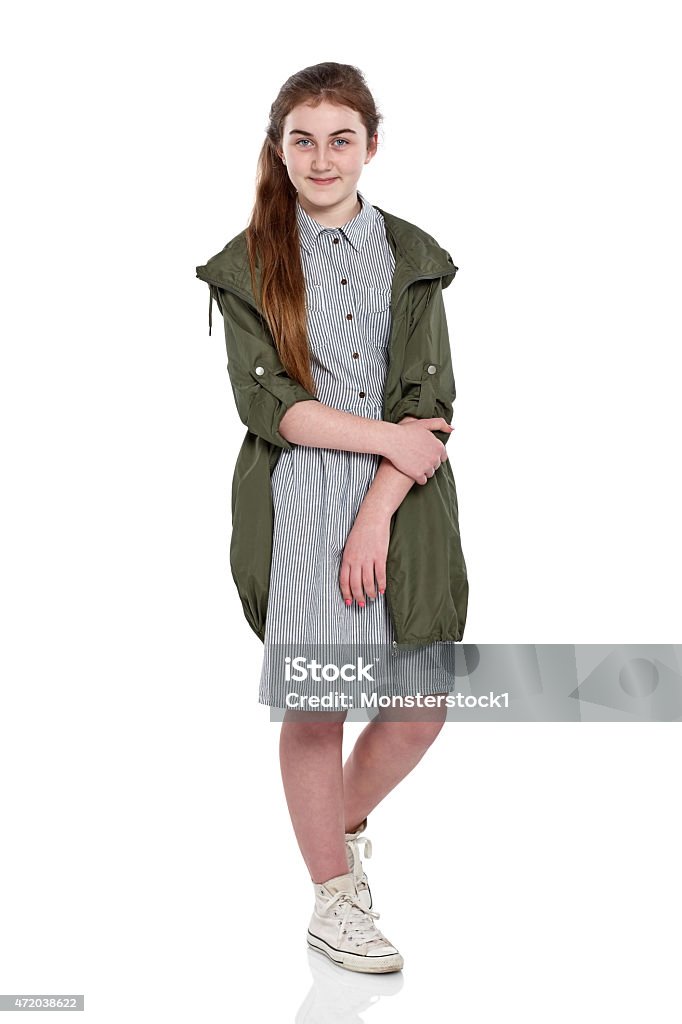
(296, 165)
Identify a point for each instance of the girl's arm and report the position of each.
(323, 426)
(277, 408)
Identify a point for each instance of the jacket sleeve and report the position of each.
(263, 390)
(428, 379)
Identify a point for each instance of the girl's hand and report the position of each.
(364, 557)
(418, 453)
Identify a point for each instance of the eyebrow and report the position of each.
(341, 131)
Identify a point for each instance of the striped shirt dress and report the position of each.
(315, 645)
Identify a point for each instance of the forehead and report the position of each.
(324, 118)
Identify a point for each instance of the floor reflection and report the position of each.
(339, 996)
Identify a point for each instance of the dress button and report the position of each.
(356, 355)
(260, 371)
(361, 393)
(344, 281)
(349, 316)
(335, 241)
(431, 368)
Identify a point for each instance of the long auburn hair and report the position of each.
(272, 233)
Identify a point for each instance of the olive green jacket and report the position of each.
(426, 577)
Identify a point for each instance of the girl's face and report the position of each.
(327, 141)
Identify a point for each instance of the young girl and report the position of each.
(345, 521)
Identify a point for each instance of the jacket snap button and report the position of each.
(430, 368)
(260, 371)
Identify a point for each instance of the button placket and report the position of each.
(352, 320)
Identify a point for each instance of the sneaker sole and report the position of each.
(353, 961)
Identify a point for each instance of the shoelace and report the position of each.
(357, 863)
(356, 920)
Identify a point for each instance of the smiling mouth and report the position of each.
(323, 180)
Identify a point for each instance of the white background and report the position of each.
(147, 859)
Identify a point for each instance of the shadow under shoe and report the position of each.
(343, 929)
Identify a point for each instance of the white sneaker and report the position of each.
(343, 928)
(355, 866)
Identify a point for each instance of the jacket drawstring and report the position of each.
(210, 307)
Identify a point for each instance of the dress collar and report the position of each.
(357, 230)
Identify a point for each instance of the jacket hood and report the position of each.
(418, 255)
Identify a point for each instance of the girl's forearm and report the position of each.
(387, 491)
(388, 488)
(323, 426)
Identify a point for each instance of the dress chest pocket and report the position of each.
(374, 299)
(374, 304)
(314, 298)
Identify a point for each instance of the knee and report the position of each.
(305, 727)
(419, 734)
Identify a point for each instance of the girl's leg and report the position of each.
(310, 752)
(384, 753)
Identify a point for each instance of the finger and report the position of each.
(380, 573)
(368, 581)
(356, 584)
(344, 582)
(436, 423)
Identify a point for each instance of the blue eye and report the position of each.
(345, 143)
